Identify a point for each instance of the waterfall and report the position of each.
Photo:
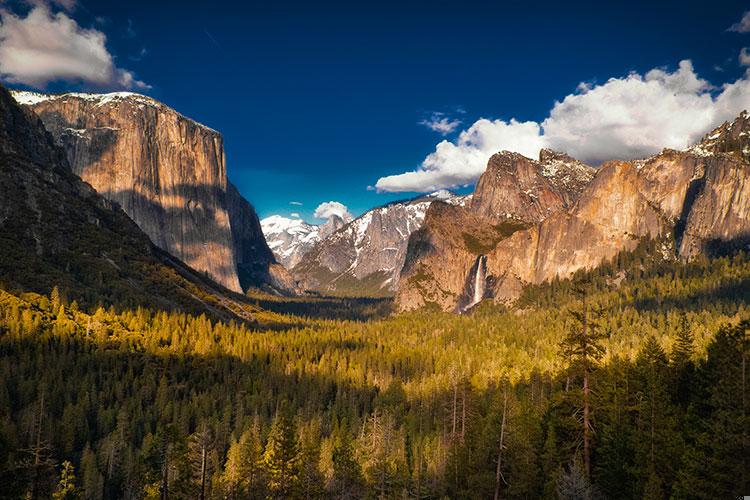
(477, 283)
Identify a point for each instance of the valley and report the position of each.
(563, 331)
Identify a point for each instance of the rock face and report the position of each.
(366, 255)
(256, 265)
(519, 188)
(168, 174)
(513, 193)
(700, 197)
(56, 230)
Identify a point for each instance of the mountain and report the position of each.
(291, 239)
(513, 193)
(56, 230)
(697, 200)
(168, 174)
(366, 255)
(514, 187)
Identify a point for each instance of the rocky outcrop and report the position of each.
(168, 174)
(366, 255)
(441, 253)
(700, 198)
(56, 230)
(519, 188)
(513, 193)
(718, 204)
(626, 202)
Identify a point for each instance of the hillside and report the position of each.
(419, 399)
(168, 173)
(56, 231)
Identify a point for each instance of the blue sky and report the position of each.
(317, 102)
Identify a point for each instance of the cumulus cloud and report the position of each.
(743, 26)
(328, 209)
(295, 215)
(45, 46)
(463, 161)
(440, 123)
(628, 117)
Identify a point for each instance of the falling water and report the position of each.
(477, 283)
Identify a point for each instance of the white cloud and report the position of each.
(296, 203)
(624, 118)
(463, 161)
(632, 117)
(330, 208)
(440, 123)
(45, 46)
(295, 215)
(743, 26)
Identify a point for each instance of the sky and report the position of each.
(363, 103)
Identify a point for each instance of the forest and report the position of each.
(629, 381)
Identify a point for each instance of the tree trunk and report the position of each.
(498, 471)
(203, 472)
(463, 412)
(586, 391)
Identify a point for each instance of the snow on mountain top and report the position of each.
(276, 224)
(31, 98)
(28, 97)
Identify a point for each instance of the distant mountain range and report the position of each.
(361, 256)
(528, 221)
(291, 238)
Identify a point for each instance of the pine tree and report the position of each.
(682, 365)
(243, 471)
(66, 487)
(55, 300)
(716, 463)
(573, 483)
(93, 481)
(583, 346)
(347, 481)
(282, 456)
(200, 445)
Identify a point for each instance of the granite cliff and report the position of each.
(56, 230)
(697, 200)
(168, 174)
(513, 193)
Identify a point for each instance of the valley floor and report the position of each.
(338, 398)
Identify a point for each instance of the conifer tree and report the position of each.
(243, 471)
(66, 487)
(347, 481)
(583, 346)
(282, 456)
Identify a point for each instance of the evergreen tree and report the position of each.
(347, 482)
(282, 456)
(243, 471)
(66, 487)
(583, 346)
(716, 463)
(93, 481)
